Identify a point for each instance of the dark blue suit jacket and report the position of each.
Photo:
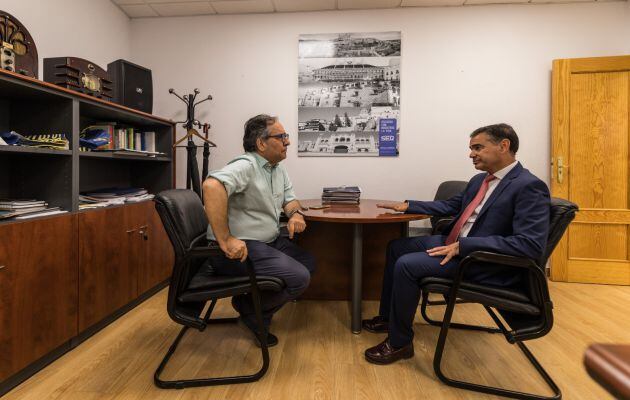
(514, 220)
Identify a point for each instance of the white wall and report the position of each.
(95, 30)
(462, 67)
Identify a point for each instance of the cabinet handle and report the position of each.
(131, 230)
(2, 267)
(144, 232)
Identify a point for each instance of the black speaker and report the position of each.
(133, 85)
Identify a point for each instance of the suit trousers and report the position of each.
(281, 259)
(407, 263)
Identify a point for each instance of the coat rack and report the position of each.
(193, 180)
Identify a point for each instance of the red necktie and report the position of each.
(457, 228)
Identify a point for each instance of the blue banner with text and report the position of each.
(387, 137)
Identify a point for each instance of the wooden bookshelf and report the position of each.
(64, 277)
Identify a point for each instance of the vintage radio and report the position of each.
(17, 48)
(78, 74)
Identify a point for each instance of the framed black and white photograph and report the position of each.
(349, 94)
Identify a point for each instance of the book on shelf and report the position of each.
(340, 201)
(42, 213)
(343, 189)
(30, 212)
(130, 152)
(21, 204)
(122, 141)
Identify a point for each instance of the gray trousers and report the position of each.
(281, 259)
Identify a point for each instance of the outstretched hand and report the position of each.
(448, 251)
(399, 207)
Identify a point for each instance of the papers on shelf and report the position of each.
(112, 196)
(41, 214)
(130, 152)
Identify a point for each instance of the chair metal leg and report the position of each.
(437, 367)
(454, 325)
(180, 384)
(443, 302)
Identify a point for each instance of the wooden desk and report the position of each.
(336, 237)
(609, 365)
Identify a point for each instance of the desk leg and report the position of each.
(404, 232)
(357, 272)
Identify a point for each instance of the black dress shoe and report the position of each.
(377, 324)
(384, 353)
(272, 339)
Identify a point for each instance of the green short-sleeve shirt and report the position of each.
(257, 192)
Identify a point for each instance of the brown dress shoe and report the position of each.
(377, 324)
(384, 353)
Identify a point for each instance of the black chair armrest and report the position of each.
(441, 224)
(211, 249)
(502, 259)
(508, 261)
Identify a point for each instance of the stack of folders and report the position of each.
(112, 196)
(341, 195)
(24, 209)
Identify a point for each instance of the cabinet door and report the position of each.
(109, 254)
(158, 252)
(38, 289)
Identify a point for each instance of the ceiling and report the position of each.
(178, 8)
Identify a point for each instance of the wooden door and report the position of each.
(590, 166)
(109, 250)
(157, 265)
(38, 289)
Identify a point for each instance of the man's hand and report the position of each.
(400, 207)
(296, 224)
(234, 248)
(448, 252)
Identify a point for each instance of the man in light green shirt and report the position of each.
(243, 202)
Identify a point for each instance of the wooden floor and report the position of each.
(318, 357)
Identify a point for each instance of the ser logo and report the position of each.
(387, 138)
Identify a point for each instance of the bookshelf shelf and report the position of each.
(112, 156)
(29, 106)
(34, 150)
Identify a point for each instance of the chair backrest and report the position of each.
(524, 326)
(445, 191)
(183, 216)
(561, 214)
(184, 219)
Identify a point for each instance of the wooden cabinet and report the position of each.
(61, 275)
(108, 253)
(157, 265)
(38, 289)
(123, 252)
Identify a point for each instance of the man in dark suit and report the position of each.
(503, 210)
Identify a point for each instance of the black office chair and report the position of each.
(191, 287)
(527, 308)
(445, 191)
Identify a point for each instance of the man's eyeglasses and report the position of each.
(281, 136)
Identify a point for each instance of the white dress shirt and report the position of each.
(500, 174)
